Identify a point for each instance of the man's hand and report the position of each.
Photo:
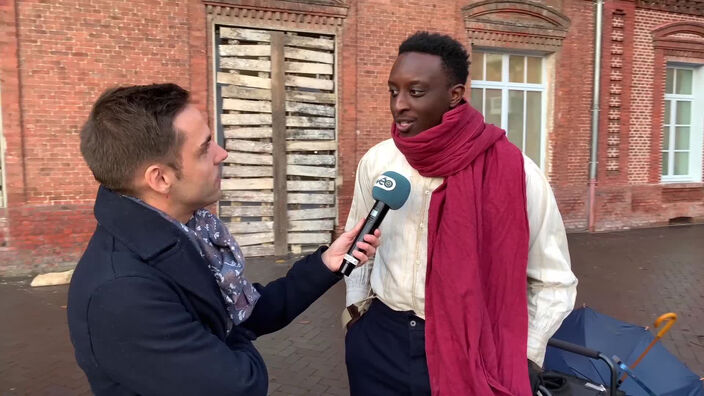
(337, 250)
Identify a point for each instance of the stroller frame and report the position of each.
(591, 353)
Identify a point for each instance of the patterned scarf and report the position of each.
(224, 257)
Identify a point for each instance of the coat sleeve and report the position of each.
(287, 297)
(144, 338)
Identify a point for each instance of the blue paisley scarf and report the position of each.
(224, 257)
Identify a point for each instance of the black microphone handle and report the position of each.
(376, 215)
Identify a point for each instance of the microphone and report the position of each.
(390, 191)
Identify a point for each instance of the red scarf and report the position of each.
(475, 292)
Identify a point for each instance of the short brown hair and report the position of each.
(129, 126)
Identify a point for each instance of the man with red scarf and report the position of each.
(474, 275)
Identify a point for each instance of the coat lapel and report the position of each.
(161, 244)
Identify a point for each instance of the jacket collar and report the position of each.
(141, 229)
(150, 236)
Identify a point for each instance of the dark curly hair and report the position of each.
(455, 59)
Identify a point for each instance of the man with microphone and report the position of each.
(159, 304)
(474, 275)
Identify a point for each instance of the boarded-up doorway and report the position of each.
(276, 109)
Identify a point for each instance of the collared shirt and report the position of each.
(397, 275)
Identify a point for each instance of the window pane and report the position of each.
(669, 80)
(667, 112)
(493, 67)
(476, 99)
(477, 66)
(535, 70)
(666, 138)
(681, 163)
(684, 113)
(684, 82)
(515, 118)
(492, 106)
(516, 68)
(534, 113)
(665, 164)
(682, 138)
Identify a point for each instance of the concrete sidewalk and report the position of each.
(633, 275)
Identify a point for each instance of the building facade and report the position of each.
(307, 78)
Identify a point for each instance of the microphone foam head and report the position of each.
(392, 189)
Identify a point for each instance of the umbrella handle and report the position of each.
(670, 318)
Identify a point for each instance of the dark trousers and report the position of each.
(385, 353)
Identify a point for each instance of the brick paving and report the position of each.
(632, 275)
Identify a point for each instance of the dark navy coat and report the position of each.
(146, 316)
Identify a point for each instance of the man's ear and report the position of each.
(159, 178)
(456, 94)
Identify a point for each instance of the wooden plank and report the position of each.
(308, 82)
(233, 91)
(307, 214)
(247, 196)
(246, 64)
(244, 34)
(243, 80)
(247, 184)
(246, 211)
(309, 238)
(302, 159)
(310, 134)
(248, 145)
(310, 42)
(311, 97)
(248, 105)
(313, 109)
(311, 225)
(254, 239)
(310, 122)
(246, 50)
(251, 133)
(310, 185)
(313, 171)
(258, 251)
(247, 171)
(306, 68)
(302, 198)
(237, 227)
(249, 159)
(245, 119)
(306, 55)
(325, 145)
(278, 126)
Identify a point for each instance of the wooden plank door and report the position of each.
(277, 113)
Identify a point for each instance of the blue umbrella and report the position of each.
(662, 372)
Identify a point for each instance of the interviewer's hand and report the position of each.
(337, 250)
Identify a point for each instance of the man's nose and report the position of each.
(399, 104)
(221, 155)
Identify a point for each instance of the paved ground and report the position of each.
(633, 275)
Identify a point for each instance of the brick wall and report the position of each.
(641, 159)
(639, 199)
(567, 163)
(57, 58)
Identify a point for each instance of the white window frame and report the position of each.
(504, 85)
(696, 129)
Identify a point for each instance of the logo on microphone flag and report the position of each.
(385, 183)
